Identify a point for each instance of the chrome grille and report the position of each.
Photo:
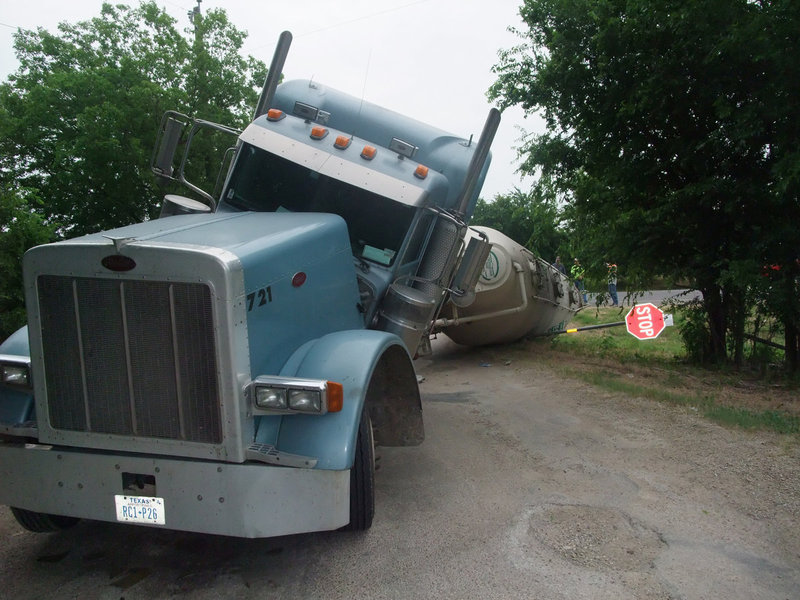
(130, 357)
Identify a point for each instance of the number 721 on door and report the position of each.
(259, 298)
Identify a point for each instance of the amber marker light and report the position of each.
(421, 171)
(341, 142)
(275, 114)
(368, 153)
(317, 133)
(335, 396)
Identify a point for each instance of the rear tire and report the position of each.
(362, 478)
(42, 522)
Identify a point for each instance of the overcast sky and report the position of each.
(430, 59)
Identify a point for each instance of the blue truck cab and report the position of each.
(228, 368)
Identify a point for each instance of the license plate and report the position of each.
(140, 509)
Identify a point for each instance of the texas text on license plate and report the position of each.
(140, 509)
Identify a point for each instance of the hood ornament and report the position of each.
(120, 242)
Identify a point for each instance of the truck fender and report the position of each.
(375, 371)
(17, 343)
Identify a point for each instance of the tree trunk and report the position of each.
(792, 339)
(791, 320)
(735, 306)
(717, 324)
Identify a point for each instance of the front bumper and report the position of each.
(244, 500)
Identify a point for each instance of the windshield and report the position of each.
(264, 182)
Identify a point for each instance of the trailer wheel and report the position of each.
(362, 478)
(41, 522)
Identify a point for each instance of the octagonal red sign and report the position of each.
(645, 321)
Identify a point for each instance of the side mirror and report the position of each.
(169, 134)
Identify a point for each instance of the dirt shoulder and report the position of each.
(642, 498)
(744, 389)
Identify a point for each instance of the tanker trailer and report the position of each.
(517, 295)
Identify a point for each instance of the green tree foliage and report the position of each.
(20, 228)
(672, 133)
(78, 119)
(83, 108)
(529, 219)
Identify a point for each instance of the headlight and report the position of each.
(271, 397)
(305, 400)
(294, 395)
(15, 373)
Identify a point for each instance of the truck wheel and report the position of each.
(42, 522)
(362, 478)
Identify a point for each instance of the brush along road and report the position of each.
(527, 486)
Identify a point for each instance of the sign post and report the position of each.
(645, 321)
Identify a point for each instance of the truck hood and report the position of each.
(239, 233)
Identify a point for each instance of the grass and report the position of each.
(614, 360)
(746, 419)
(706, 404)
(616, 342)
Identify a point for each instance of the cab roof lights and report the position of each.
(342, 142)
(369, 152)
(317, 133)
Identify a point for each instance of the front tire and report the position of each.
(362, 478)
(41, 522)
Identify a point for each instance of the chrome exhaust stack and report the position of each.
(274, 73)
(478, 160)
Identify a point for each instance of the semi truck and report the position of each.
(229, 367)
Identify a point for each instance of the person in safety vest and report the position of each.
(577, 272)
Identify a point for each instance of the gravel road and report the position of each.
(657, 297)
(527, 486)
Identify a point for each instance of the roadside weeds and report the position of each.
(612, 360)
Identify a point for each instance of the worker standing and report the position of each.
(612, 283)
(577, 273)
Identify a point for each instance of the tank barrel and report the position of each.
(274, 74)
(478, 159)
(517, 294)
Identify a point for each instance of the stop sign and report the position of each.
(645, 321)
